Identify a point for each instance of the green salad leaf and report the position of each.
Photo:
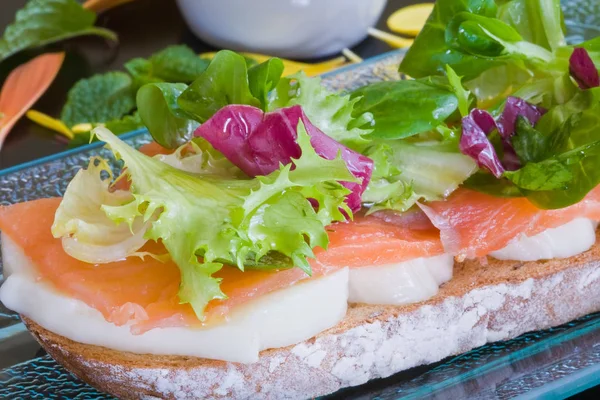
(404, 108)
(42, 22)
(263, 78)
(206, 221)
(157, 105)
(462, 95)
(566, 176)
(224, 82)
(538, 22)
(500, 48)
(101, 98)
(175, 64)
(430, 52)
(406, 172)
(333, 113)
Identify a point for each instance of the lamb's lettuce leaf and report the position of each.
(224, 82)
(168, 124)
(404, 108)
(263, 78)
(430, 52)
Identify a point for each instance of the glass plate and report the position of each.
(554, 363)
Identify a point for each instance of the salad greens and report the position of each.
(42, 22)
(205, 221)
(516, 49)
(333, 113)
(158, 108)
(229, 80)
(425, 104)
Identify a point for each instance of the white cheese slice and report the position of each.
(401, 283)
(564, 241)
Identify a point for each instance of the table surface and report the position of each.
(160, 25)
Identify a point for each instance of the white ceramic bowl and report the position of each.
(286, 28)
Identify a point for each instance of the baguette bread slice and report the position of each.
(483, 303)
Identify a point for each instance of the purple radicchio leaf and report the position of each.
(507, 122)
(475, 143)
(514, 108)
(258, 142)
(583, 70)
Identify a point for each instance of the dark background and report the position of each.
(144, 27)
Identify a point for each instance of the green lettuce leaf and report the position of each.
(224, 82)
(430, 53)
(408, 172)
(462, 95)
(263, 78)
(42, 22)
(332, 113)
(168, 124)
(206, 221)
(100, 98)
(538, 21)
(593, 48)
(533, 146)
(404, 108)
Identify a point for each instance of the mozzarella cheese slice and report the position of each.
(401, 283)
(564, 241)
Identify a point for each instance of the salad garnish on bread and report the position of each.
(227, 251)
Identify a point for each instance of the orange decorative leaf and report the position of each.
(102, 5)
(24, 86)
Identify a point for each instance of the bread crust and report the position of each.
(484, 302)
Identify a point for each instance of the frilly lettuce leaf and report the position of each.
(331, 112)
(199, 157)
(407, 172)
(88, 234)
(205, 221)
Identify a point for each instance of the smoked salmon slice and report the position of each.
(473, 224)
(144, 292)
